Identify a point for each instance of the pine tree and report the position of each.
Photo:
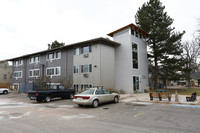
(56, 44)
(163, 42)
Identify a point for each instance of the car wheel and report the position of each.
(5, 92)
(95, 103)
(47, 98)
(116, 99)
(71, 96)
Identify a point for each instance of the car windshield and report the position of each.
(89, 91)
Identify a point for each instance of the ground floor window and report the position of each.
(85, 86)
(135, 83)
(76, 87)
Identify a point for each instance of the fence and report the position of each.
(5, 85)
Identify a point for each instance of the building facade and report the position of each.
(120, 64)
(5, 74)
(131, 71)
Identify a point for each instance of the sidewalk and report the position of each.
(144, 97)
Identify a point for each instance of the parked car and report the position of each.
(54, 91)
(4, 90)
(95, 96)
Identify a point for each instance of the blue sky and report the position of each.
(27, 26)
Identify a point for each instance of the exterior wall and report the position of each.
(123, 61)
(102, 60)
(107, 56)
(27, 82)
(5, 74)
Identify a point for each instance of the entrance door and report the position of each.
(16, 87)
(135, 83)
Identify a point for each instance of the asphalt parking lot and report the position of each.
(20, 115)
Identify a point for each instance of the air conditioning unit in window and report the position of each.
(85, 75)
(86, 55)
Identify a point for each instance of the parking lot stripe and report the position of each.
(138, 114)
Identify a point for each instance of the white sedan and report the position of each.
(4, 90)
(95, 96)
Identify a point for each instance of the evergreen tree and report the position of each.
(56, 44)
(163, 42)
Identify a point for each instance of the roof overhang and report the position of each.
(132, 26)
(100, 40)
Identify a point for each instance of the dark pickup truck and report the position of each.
(53, 92)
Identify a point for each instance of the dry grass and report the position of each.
(184, 91)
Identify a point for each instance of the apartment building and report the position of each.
(120, 64)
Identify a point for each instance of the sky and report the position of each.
(28, 26)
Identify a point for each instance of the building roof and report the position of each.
(92, 41)
(132, 26)
(195, 75)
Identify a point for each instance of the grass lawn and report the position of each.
(184, 91)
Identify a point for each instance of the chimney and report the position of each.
(49, 46)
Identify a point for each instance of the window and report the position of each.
(34, 73)
(86, 68)
(136, 34)
(4, 76)
(76, 69)
(50, 56)
(57, 71)
(106, 91)
(135, 83)
(5, 66)
(50, 71)
(76, 51)
(18, 74)
(18, 63)
(53, 71)
(140, 36)
(54, 55)
(132, 31)
(99, 92)
(34, 59)
(58, 55)
(76, 87)
(86, 49)
(135, 55)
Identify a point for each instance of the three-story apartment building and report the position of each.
(118, 64)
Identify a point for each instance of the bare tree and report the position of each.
(191, 52)
(66, 81)
(42, 82)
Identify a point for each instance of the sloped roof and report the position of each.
(92, 41)
(132, 26)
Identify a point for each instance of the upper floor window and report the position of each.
(18, 62)
(34, 59)
(76, 51)
(54, 55)
(76, 69)
(86, 68)
(53, 71)
(86, 49)
(135, 55)
(18, 74)
(136, 34)
(5, 66)
(34, 73)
